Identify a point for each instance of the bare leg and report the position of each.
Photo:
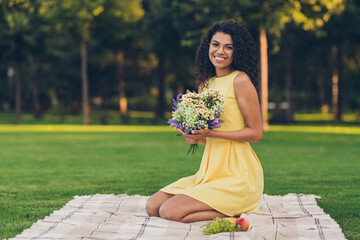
(183, 208)
(202, 216)
(154, 203)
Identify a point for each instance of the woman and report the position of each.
(230, 179)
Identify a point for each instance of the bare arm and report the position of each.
(248, 103)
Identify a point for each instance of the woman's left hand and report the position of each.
(203, 133)
(196, 135)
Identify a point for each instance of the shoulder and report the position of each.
(242, 80)
(243, 87)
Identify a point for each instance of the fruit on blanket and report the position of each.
(232, 220)
(219, 225)
(244, 223)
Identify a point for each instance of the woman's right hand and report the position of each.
(191, 139)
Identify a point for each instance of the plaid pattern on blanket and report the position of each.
(294, 216)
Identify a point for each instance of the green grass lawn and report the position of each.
(41, 171)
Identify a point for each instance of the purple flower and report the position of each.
(178, 97)
(215, 123)
(175, 106)
(173, 123)
(175, 101)
(181, 126)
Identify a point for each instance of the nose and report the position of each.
(220, 50)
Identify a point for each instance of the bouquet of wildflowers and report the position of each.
(195, 111)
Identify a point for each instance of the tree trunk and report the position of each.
(35, 89)
(264, 78)
(19, 43)
(288, 92)
(321, 93)
(18, 77)
(335, 83)
(161, 86)
(85, 84)
(340, 81)
(37, 109)
(121, 82)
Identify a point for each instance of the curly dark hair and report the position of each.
(245, 52)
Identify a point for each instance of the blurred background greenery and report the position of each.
(116, 62)
(121, 62)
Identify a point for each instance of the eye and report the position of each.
(229, 48)
(214, 44)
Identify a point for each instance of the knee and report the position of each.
(168, 213)
(151, 208)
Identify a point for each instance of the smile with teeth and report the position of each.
(219, 58)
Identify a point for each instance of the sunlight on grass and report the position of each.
(126, 128)
(146, 114)
(83, 128)
(324, 117)
(315, 129)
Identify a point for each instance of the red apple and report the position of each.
(244, 224)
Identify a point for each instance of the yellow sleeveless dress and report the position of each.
(230, 178)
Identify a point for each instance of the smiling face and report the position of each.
(221, 52)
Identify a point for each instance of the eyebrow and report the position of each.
(219, 42)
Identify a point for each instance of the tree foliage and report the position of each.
(40, 44)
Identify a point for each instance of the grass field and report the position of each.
(41, 169)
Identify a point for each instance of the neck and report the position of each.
(223, 72)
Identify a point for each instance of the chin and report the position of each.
(221, 65)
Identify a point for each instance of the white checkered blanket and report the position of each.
(293, 216)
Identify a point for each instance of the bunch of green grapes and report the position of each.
(219, 225)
